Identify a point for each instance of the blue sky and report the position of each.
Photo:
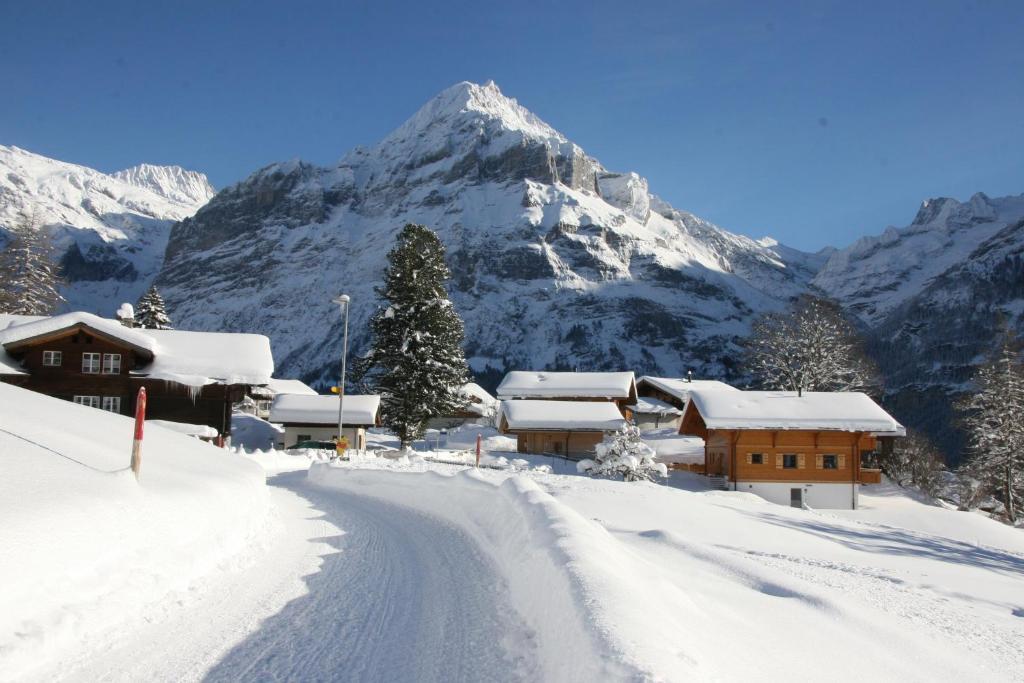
(813, 122)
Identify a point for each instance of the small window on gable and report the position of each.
(789, 461)
(757, 458)
(830, 462)
(91, 363)
(52, 358)
(111, 364)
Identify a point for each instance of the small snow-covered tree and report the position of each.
(416, 361)
(151, 313)
(29, 282)
(126, 315)
(810, 346)
(624, 453)
(994, 419)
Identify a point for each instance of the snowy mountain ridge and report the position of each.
(110, 231)
(171, 182)
(557, 261)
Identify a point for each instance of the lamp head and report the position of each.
(342, 300)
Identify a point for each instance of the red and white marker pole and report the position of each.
(478, 450)
(140, 419)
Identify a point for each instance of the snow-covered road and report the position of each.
(353, 588)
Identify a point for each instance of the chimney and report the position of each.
(689, 375)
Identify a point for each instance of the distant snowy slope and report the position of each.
(933, 297)
(110, 230)
(878, 273)
(85, 547)
(557, 262)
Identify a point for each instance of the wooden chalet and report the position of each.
(480, 407)
(662, 400)
(564, 413)
(315, 418)
(787, 448)
(260, 398)
(190, 377)
(567, 428)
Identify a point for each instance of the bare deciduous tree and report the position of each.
(810, 346)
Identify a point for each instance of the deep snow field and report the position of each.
(393, 569)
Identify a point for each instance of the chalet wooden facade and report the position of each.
(569, 429)
(564, 413)
(790, 449)
(99, 363)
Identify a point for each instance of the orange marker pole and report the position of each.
(140, 419)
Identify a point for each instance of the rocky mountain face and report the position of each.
(933, 297)
(557, 261)
(110, 231)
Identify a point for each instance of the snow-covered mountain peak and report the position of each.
(110, 230)
(172, 182)
(877, 273)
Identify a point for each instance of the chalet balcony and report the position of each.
(870, 476)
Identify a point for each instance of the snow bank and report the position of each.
(205, 431)
(86, 547)
(640, 581)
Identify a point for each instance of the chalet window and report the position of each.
(111, 364)
(91, 363)
(757, 458)
(112, 404)
(830, 462)
(91, 401)
(789, 461)
(52, 358)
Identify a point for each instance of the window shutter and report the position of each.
(778, 462)
(841, 462)
(750, 459)
(800, 461)
(818, 461)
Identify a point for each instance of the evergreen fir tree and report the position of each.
(150, 312)
(416, 362)
(995, 426)
(29, 283)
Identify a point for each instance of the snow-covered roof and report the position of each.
(785, 410)
(360, 409)
(479, 400)
(561, 415)
(190, 358)
(38, 327)
(680, 388)
(205, 431)
(645, 405)
(283, 386)
(530, 384)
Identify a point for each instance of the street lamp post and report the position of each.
(342, 301)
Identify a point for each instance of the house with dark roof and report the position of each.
(191, 378)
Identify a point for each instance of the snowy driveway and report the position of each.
(397, 596)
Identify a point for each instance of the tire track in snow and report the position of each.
(406, 597)
(398, 596)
